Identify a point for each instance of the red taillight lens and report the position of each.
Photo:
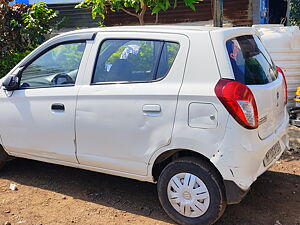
(239, 102)
(285, 85)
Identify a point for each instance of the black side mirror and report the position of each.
(11, 83)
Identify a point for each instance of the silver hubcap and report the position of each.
(188, 195)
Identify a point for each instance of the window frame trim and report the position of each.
(132, 82)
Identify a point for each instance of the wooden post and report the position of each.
(218, 13)
(288, 9)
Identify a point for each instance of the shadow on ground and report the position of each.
(274, 197)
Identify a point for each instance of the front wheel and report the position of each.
(191, 192)
(3, 157)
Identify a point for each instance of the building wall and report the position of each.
(255, 11)
(237, 12)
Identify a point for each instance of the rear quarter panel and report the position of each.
(200, 78)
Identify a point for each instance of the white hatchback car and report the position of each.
(201, 111)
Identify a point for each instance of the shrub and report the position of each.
(22, 28)
(295, 12)
(136, 8)
(36, 21)
(10, 60)
(11, 22)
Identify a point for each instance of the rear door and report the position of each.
(252, 65)
(126, 111)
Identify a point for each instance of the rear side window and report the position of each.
(250, 64)
(134, 60)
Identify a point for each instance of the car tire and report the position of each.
(186, 204)
(3, 157)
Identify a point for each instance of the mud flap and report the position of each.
(234, 194)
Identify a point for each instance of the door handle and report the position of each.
(151, 108)
(57, 107)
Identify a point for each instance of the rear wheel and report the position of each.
(3, 157)
(191, 192)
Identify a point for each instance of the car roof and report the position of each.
(178, 29)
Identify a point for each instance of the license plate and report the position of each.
(271, 154)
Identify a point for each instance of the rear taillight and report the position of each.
(285, 91)
(239, 102)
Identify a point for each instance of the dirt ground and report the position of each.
(51, 194)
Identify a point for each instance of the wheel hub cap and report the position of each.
(188, 195)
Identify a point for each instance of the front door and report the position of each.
(127, 109)
(38, 118)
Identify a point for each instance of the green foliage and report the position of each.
(22, 28)
(36, 22)
(295, 12)
(135, 8)
(10, 60)
(11, 21)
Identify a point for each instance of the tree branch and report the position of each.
(125, 10)
(129, 13)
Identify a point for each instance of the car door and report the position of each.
(37, 119)
(126, 111)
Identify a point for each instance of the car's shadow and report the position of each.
(275, 196)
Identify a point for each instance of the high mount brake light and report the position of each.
(285, 85)
(239, 101)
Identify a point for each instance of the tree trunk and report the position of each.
(156, 18)
(141, 20)
(142, 13)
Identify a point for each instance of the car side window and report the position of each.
(134, 60)
(249, 63)
(55, 68)
(167, 58)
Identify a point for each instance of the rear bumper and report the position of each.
(240, 156)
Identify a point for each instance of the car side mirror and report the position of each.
(11, 83)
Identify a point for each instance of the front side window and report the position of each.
(57, 67)
(134, 60)
(250, 64)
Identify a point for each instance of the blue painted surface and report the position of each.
(23, 1)
(46, 1)
(264, 11)
(20, 1)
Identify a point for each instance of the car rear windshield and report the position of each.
(250, 62)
